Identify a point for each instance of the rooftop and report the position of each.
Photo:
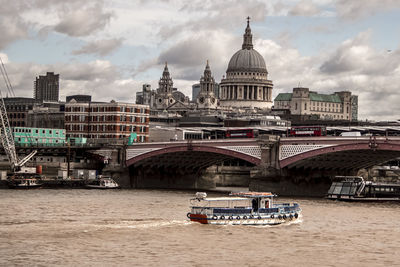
(333, 98)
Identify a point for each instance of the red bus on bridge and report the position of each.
(241, 133)
(307, 131)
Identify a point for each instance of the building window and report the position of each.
(295, 107)
(305, 106)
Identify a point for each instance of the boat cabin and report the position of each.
(346, 186)
(235, 203)
(351, 187)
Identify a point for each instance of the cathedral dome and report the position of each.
(247, 60)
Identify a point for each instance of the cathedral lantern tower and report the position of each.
(164, 96)
(246, 84)
(206, 98)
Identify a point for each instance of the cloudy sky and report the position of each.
(110, 48)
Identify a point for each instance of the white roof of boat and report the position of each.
(223, 198)
(253, 194)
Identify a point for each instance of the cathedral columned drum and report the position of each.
(246, 84)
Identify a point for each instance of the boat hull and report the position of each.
(16, 186)
(101, 187)
(243, 220)
(366, 199)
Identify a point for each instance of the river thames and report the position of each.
(149, 228)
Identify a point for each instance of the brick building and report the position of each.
(18, 108)
(107, 120)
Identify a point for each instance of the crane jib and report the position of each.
(6, 135)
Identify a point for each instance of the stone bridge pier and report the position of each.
(269, 176)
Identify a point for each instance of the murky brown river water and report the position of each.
(149, 228)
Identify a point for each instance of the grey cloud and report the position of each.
(12, 26)
(95, 70)
(351, 55)
(357, 56)
(99, 78)
(189, 56)
(82, 22)
(100, 47)
(304, 8)
(216, 15)
(78, 18)
(357, 9)
(187, 53)
(12, 29)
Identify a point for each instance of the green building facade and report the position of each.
(26, 136)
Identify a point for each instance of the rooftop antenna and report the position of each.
(298, 86)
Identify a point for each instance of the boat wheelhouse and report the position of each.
(354, 188)
(248, 208)
(103, 183)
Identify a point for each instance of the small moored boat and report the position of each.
(103, 183)
(355, 188)
(25, 183)
(248, 208)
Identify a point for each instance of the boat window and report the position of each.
(332, 188)
(353, 189)
(338, 188)
(346, 189)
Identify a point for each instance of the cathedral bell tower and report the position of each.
(164, 92)
(206, 98)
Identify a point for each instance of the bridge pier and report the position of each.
(167, 178)
(296, 182)
(268, 176)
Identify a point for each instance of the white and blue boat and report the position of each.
(247, 208)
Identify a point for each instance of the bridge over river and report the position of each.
(275, 159)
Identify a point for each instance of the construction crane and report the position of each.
(6, 135)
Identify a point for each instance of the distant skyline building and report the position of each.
(144, 97)
(354, 107)
(195, 91)
(46, 88)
